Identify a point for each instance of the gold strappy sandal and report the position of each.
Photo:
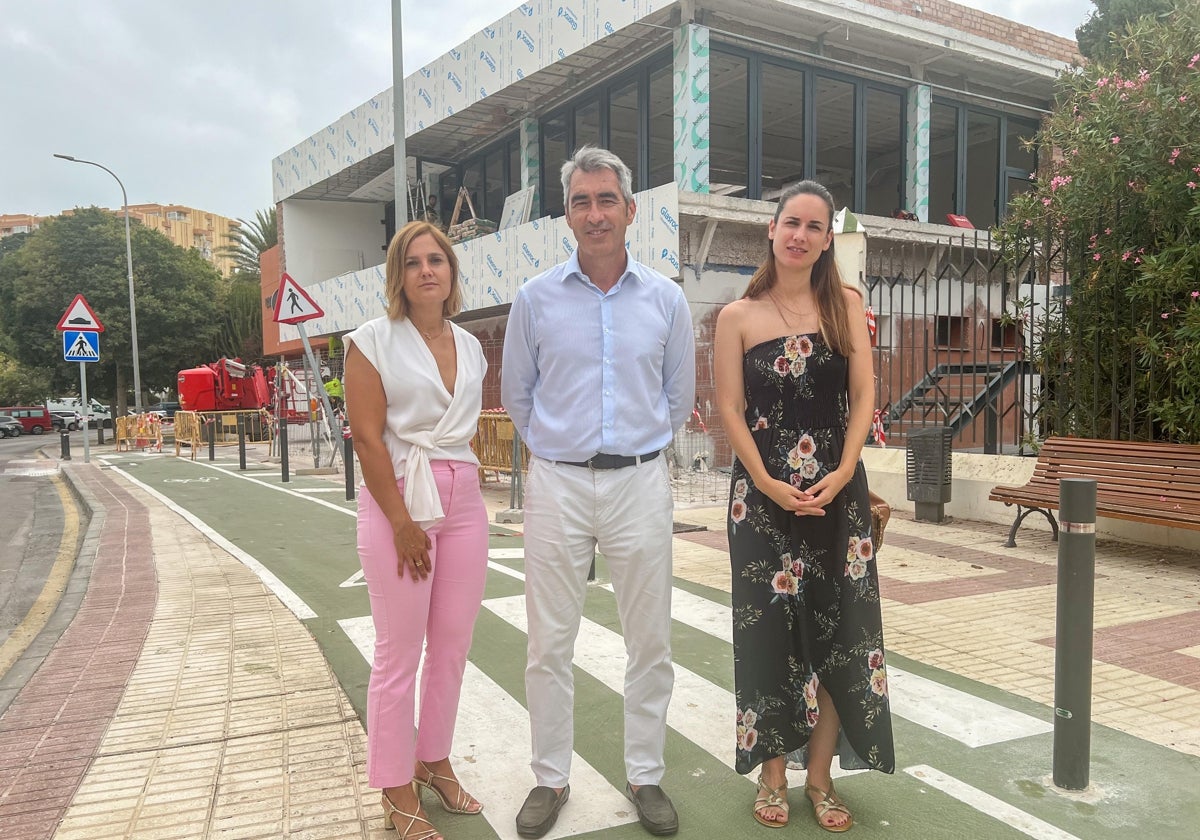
(829, 803)
(391, 812)
(461, 804)
(769, 797)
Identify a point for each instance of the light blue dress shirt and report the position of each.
(589, 372)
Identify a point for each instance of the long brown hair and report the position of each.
(397, 252)
(826, 280)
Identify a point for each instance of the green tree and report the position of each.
(251, 239)
(22, 385)
(177, 297)
(242, 324)
(1098, 36)
(1116, 213)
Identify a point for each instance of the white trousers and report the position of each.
(570, 512)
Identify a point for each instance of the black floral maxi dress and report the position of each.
(805, 588)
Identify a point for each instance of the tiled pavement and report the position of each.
(184, 691)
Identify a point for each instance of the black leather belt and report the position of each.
(612, 462)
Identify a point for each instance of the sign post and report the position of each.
(293, 305)
(81, 330)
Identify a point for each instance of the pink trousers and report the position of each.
(437, 614)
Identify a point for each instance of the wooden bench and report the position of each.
(1157, 483)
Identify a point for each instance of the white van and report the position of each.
(96, 412)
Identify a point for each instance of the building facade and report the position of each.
(187, 227)
(914, 114)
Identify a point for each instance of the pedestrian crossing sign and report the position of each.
(293, 304)
(81, 346)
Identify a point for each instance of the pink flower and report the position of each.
(1102, 82)
(1108, 231)
(1126, 255)
(1183, 98)
(1195, 294)
(737, 510)
(1116, 139)
(1174, 157)
(806, 446)
(1192, 63)
(875, 659)
(1166, 315)
(1191, 185)
(1096, 257)
(1143, 75)
(1045, 202)
(1196, 169)
(782, 366)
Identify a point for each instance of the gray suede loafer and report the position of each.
(654, 809)
(540, 810)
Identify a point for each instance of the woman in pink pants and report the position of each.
(414, 388)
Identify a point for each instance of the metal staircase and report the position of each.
(952, 395)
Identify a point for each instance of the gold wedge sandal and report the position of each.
(411, 830)
(769, 797)
(829, 803)
(460, 804)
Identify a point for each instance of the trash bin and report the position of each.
(928, 472)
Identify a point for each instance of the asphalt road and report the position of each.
(41, 524)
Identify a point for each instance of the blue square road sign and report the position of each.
(81, 346)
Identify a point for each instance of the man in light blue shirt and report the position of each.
(598, 373)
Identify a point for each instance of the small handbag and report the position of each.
(881, 512)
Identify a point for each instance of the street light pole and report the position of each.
(133, 332)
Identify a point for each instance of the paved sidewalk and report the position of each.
(186, 701)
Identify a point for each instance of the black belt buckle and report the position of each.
(605, 461)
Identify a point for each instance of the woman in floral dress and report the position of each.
(795, 393)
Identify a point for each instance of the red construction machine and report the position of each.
(224, 385)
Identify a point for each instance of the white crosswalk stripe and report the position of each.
(502, 735)
(956, 714)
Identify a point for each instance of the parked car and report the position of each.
(10, 426)
(34, 419)
(165, 410)
(69, 420)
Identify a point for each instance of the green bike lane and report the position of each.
(990, 782)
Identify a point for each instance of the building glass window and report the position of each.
(514, 166)
(782, 128)
(1017, 156)
(495, 185)
(983, 168)
(554, 155)
(662, 127)
(884, 172)
(729, 148)
(943, 162)
(474, 182)
(833, 113)
(587, 125)
(623, 134)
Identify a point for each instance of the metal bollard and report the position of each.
(210, 428)
(241, 427)
(64, 443)
(1073, 634)
(100, 431)
(283, 449)
(348, 458)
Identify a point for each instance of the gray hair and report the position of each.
(592, 159)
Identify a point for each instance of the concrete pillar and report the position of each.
(920, 98)
(531, 162)
(691, 107)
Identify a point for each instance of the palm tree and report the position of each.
(248, 242)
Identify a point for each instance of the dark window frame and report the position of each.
(1003, 170)
(601, 93)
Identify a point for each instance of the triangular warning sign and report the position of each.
(293, 304)
(79, 316)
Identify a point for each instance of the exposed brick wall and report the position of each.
(984, 25)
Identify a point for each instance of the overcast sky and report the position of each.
(188, 102)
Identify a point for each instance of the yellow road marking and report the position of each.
(56, 583)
